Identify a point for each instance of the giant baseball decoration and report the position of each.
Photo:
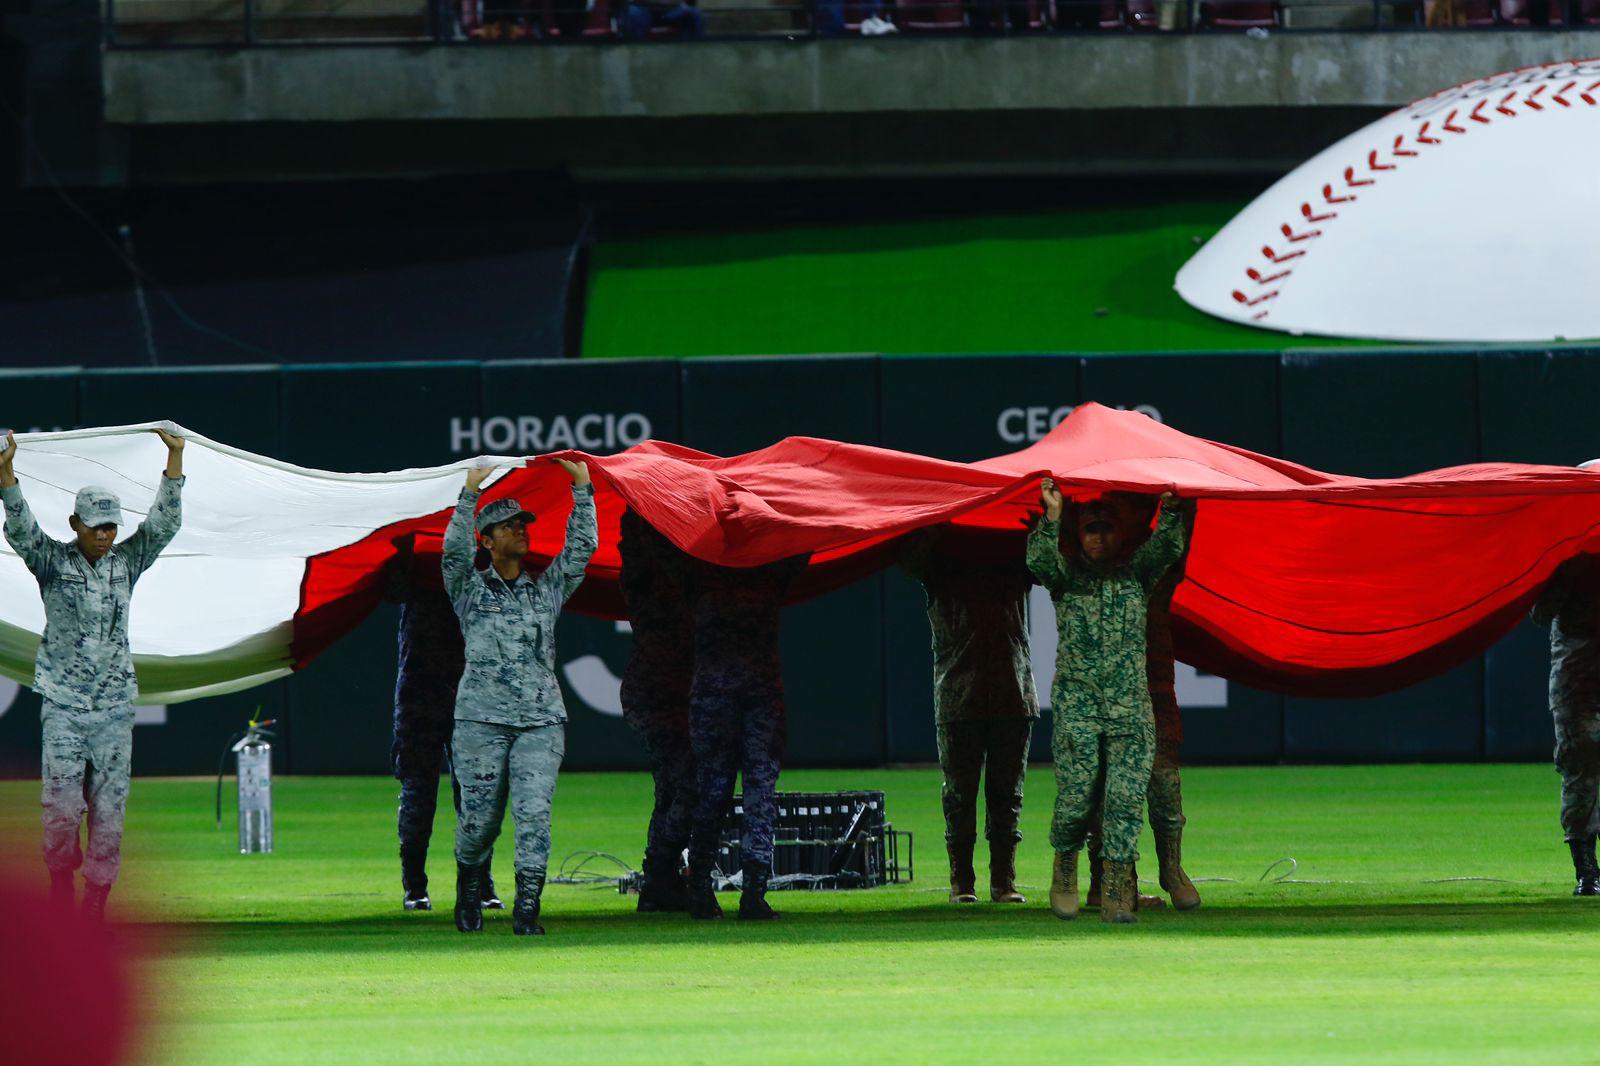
(1470, 215)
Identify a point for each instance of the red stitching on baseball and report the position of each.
(1501, 106)
(1305, 209)
(1259, 315)
(1266, 250)
(1533, 103)
(1248, 302)
(1557, 97)
(1398, 141)
(1587, 96)
(1327, 194)
(1477, 112)
(1422, 135)
(1373, 164)
(1449, 124)
(1265, 279)
(1353, 181)
(1297, 237)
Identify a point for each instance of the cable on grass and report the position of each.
(570, 873)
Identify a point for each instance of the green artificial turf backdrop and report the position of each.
(1092, 280)
(304, 956)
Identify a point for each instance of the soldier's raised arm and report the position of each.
(583, 533)
(166, 513)
(1166, 545)
(460, 536)
(1044, 557)
(36, 550)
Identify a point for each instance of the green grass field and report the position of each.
(1375, 953)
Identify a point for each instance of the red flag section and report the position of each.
(1297, 581)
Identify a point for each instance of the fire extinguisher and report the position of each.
(252, 749)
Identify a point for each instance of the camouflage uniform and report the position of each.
(84, 672)
(984, 704)
(655, 685)
(736, 714)
(1570, 606)
(1102, 721)
(510, 730)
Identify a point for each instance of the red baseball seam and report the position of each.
(1310, 214)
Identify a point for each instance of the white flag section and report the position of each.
(1466, 216)
(216, 613)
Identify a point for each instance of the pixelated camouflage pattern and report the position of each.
(1101, 620)
(1570, 606)
(509, 630)
(1102, 765)
(655, 684)
(84, 660)
(495, 763)
(737, 724)
(1166, 786)
(995, 750)
(88, 757)
(977, 612)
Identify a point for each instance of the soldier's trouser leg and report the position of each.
(961, 752)
(419, 801)
(1005, 764)
(535, 762)
(1128, 759)
(672, 770)
(1076, 747)
(87, 759)
(482, 755)
(712, 725)
(1578, 762)
(761, 756)
(1166, 792)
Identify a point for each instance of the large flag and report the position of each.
(1297, 580)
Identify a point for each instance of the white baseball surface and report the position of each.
(1470, 215)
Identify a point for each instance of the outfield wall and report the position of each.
(856, 662)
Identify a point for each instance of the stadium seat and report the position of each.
(1089, 14)
(1518, 12)
(930, 16)
(1143, 14)
(1240, 14)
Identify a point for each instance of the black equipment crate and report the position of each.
(825, 840)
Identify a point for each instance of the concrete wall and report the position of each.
(354, 84)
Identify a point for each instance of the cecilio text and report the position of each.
(1020, 425)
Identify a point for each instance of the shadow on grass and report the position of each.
(435, 933)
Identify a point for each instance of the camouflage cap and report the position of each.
(501, 511)
(98, 507)
(1099, 512)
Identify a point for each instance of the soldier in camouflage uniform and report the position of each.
(984, 704)
(736, 719)
(84, 670)
(1166, 787)
(1570, 606)
(1102, 723)
(655, 703)
(426, 676)
(510, 729)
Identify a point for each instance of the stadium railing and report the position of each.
(199, 23)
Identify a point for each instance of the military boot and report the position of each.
(963, 880)
(487, 897)
(1116, 893)
(1584, 865)
(1003, 873)
(62, 889)
(414, 878)
(1176, 883)
(1064, 885)
(1091, 898)
(94, 902)
(525, 912)
(753, 905)
(702, 896)
(469, 909)
(1096, 882)
(662, 887)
